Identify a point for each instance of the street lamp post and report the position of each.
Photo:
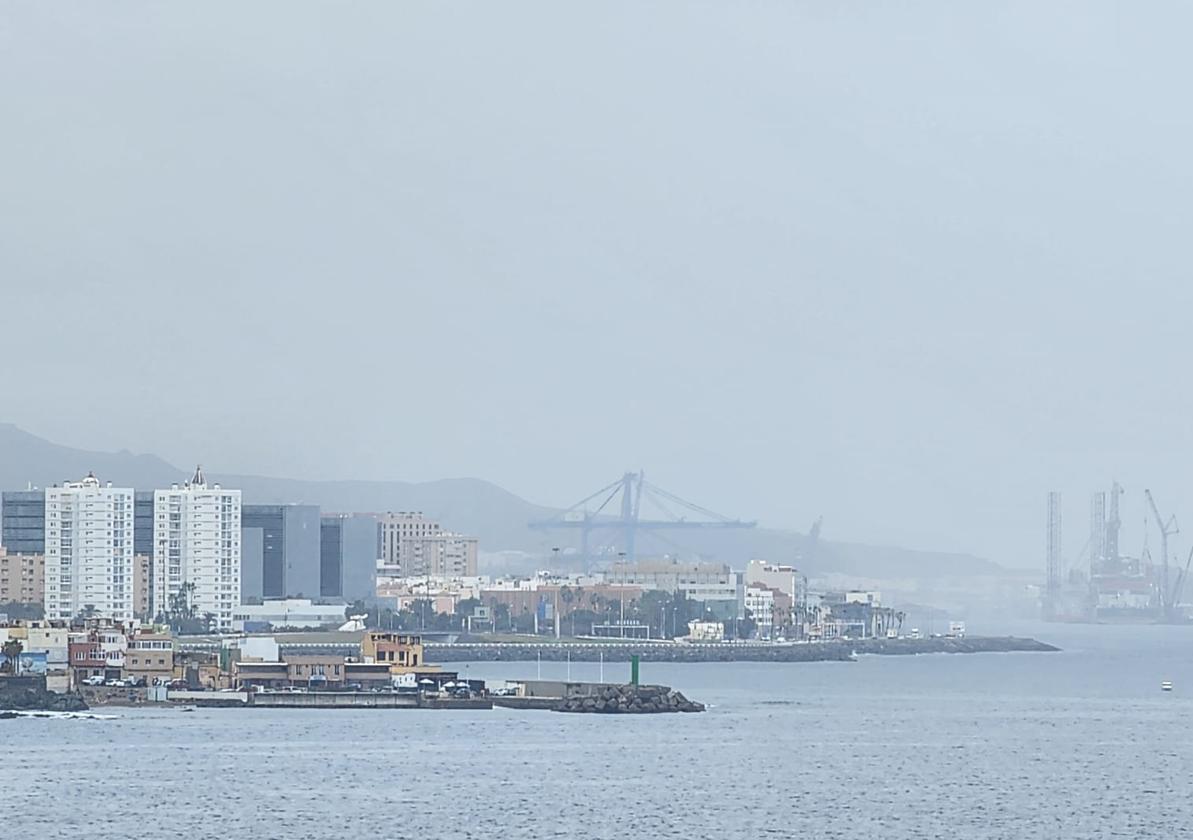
(621, 593)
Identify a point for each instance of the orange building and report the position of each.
(400, 651)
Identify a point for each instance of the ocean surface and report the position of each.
(1075, 744)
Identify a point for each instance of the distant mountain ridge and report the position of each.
(468, 505)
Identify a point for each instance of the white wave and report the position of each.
(57, 715)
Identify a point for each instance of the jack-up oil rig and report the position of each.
(1113, 587)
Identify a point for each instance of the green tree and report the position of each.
(501, 616)
(181, 616)
(524, 622)
(582, 622)
(745, 627)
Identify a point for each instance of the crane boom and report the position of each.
(630, 517)
(1183, 576)
(1167, 529)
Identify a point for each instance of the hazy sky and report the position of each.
(907, 265)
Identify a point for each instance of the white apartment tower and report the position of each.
(89, 550)
(196, 540)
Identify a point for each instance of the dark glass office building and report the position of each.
(279, 552)
(23, 521)
(348, 556)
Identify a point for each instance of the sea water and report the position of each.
(1075, 744)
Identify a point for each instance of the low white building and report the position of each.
(760, 603)
(300, 613)
(706, 631)
(113, 646)
(255, 648)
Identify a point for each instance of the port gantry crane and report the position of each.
(632, 488)
(1168, 528)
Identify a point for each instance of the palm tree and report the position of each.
(568, 596)
(12, 656)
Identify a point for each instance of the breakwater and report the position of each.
(834, 651)
(30, 694)
(628, 700)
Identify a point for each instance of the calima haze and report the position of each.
(596, 419)
(902, 266)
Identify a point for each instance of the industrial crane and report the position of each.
(632, 489)
(1181, 578)
(1168, 528)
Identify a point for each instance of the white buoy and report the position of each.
(1166, 685)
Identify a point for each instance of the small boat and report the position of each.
(1166, 685)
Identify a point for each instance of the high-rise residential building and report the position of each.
(449, 555)
(280, 552)
(399, 532)
(23, 521)
(414, 546)
(196, 542)
(89, 550)
(348, 556)
(22, 578)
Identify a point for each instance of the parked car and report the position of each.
(93, 681)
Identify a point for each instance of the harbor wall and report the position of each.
(835, 651)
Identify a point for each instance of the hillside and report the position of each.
(468, 505)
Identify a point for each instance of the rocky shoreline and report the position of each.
(39, 700)
(834, 651)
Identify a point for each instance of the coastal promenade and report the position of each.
(618, 651)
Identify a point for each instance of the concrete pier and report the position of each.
(332, 700)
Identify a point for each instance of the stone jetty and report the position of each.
(629, 700)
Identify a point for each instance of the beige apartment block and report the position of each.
(413, 545)
(142, 586)
(22, 578)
